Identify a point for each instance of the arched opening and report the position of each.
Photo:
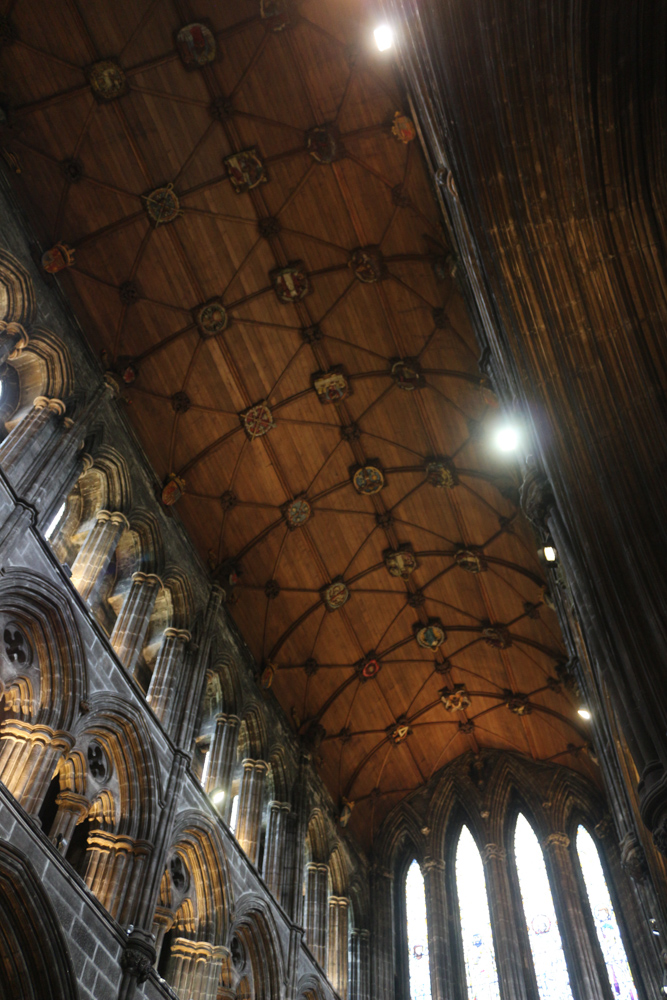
(476, 934)
(553, 981)
(417, 934)
(604, 918)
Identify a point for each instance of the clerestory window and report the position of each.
(417, 934)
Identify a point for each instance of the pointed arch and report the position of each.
(17, 292)
(33, 952)
(255, 928)
(551, 973)
(475, 920)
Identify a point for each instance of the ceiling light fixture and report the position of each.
(218, 796)
(384, 37)
(549, 553)
(584, 713)
(507, 438)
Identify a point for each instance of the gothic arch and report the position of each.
(252, 733)
(255, 927)
(197, 841)
(310, 988)
(50, 628)
(317, 840)
(121, 730)
(17, 292)
(33, 952)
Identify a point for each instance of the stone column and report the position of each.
(503, 923)
(589, 981)
(437, 909)
(337, 945)
(129, 632)
(382, 916)
(115, 870)
(251, 800)
(28, 758)
(96, 553)
(315, 915)
(360, 986)
(23, 448)
(274, 854)
(163, 921)
(72, 808)
(163, 688)
(180, 969)
(193, 686)
(222, 754)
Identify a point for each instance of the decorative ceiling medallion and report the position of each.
(323, 143)
(350, 432)
(290, 283)
(455, 699)
(221, 109)
(173, 490)
(518, 703)
(162, 205)
(196, 45)
(107, 80)
(472, 560)
(275, 13)
(58, 258)
(441, 473)
(367, 264)
(180, 402)
(296, 512)
(335, 595)
(406, 373)
(73, 170)
(272, 589)
(430, 636)
(401, 562)
(245, 170)
(398, 732)
(368, 479)
(497, 636)
(269, 227)
(266, 677)
(331, 386)
(345, 811)
(403, 128)
(129, 293)
(369, 667)
(127, 369)
(257, 421)
(467, 728)
(211, 318)
(228, 500)
(312, 334)
(310, 667)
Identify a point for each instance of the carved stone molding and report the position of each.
(554, 840)
(493, 852)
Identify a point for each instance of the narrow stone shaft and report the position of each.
(96, 553)
(162, 693)
(129, 633)
(251, 800)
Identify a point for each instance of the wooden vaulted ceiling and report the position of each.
(87, 166)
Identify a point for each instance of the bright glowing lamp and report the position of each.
(549, 553)
(584, 713)
(384, 37)
(218, 796)
(507, 438)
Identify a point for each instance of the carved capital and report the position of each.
(537, 497)
(556, 840)
(139, 955)
(493, 852)
(433, 865)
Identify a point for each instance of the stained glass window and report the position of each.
(604, 918)
(476, 933)
(415, 908)
(546, 946)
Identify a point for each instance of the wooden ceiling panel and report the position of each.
(382, 736)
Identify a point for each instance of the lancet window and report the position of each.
(417, 934)
(477, 938)
(604, 918)
(551, 973)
